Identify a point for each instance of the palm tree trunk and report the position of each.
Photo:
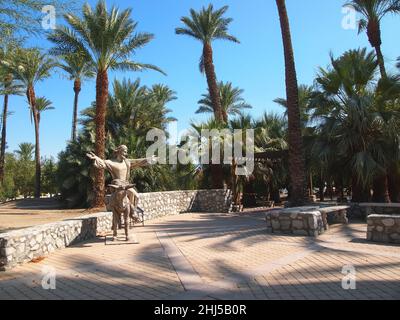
(275, 194)
(32, 102)
(381, 189)
(381, 62)
(77, 90)
(298, 194)
(212, 81)
(225, 116)
(100, 120)
(234, 179)
(321, 188)
(359, 193)
(37, 156)
(217, 176)
(394, 184)
(3, 139)
(216, 169)
(375, 39)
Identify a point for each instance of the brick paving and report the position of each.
(214, 256)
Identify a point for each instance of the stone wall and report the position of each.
(289, 221)
(384, 228)
(26, 244)
(363, 210)
(23, 245)
(159, 204)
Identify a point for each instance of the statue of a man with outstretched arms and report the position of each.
(119, 167)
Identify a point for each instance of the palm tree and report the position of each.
(7, 87)
(208, 25)
(78, 69)
(296, 152)
(232, 102)
(42, 105)
(30, 66)
(162, 93)
(213, 173)
(270, 137)
(358, 124)
(373, 11)
(107, 40)
(305, 93)
(25, 151)
(132, 110)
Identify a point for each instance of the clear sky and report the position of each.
(256, 65)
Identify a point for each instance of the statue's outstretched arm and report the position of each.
(98, 162)
(145, 162)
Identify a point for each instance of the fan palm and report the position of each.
(358, 118)
(78, 70)
(296, 151)
(373, 11)
(232, 102)
(30, 66)
(106, 39)
(206, 26)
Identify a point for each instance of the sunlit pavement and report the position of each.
(214, 256)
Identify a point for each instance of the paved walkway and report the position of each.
(206, 256)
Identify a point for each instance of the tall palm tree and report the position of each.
(208, 25)
(373, 11)
(296, 152)
(78, 69)
(232, 102)
(106, 39)
(30, 66)
(8, 87)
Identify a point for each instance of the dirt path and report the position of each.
(30, 212)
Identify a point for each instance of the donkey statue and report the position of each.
(120, 205)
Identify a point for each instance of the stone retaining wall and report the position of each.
(160, 204)
(384, 228)
(23, 245)
(29, 243)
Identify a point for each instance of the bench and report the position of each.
(307, 221)
(296, 222)
(383, 228)
(333, 215)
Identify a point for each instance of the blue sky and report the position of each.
(256, 65)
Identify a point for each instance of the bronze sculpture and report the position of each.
(124, 198)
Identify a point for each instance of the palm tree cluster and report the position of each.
(132, 110)
(90, 46)
(341, 132)
(355, 137)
